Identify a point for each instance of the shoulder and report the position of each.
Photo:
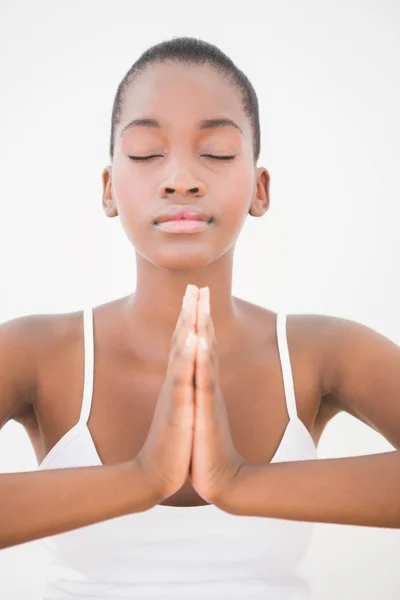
(334, 342)
(310, 333)
(46, 334)
(327, 344)
(358, 368)
(346, 345)
(26, 342)
(310, 338)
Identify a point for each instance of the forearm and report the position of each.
(361, 490)
(38, 504)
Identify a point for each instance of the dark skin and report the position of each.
(182, 174)
(337, 365)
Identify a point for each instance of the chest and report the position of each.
(125, 395)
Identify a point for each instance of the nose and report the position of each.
(181, 182)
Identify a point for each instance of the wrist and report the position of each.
(154, 485)
(228, 498)
(143, 493)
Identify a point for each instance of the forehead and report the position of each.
(182, 93)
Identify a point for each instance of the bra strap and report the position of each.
(281, 332)
(88, 340)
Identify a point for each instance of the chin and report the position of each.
(182, 261)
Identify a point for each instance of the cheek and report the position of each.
(131, 195)
(133, 207)
(126, 186)
(236, 197)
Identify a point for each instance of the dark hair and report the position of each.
(191, 51)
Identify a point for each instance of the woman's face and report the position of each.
(183, 171)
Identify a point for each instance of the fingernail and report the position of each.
(189, 292)
(185, 297)
(190, 339)
(203, 343)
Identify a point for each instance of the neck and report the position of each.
(154, 308)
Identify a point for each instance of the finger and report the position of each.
(181, 363)
(203, 300)
(206, 373)
(206, 325)
(212, 343)
(188, 320)
(187, 315)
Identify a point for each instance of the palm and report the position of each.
(215, 460)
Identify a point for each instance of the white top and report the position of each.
(171, 552)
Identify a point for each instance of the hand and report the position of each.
(166, 452)
(215, 460)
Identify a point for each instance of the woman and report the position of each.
(191, 434)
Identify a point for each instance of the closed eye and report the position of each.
(220, 157)
(143, 158)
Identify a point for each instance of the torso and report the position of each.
(126, 388)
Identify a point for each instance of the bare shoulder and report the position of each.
(36, 349)
(24, 343)
(47, 333)
(346, 345)
(315, 342)
(309, 334)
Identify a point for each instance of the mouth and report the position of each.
(183, 219)
(183, 225)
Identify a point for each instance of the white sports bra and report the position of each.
(170, 552)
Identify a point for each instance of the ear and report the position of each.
(108, 201)
(260, 202)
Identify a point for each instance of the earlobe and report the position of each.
(109, 208)
(261, 200)
(108, 202)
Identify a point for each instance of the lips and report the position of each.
(179, 213)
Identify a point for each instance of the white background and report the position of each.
(327, 78)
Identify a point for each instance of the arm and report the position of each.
(38, 504)
(362, 369)
(361, 490)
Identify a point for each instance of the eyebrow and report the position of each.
(204, 124)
